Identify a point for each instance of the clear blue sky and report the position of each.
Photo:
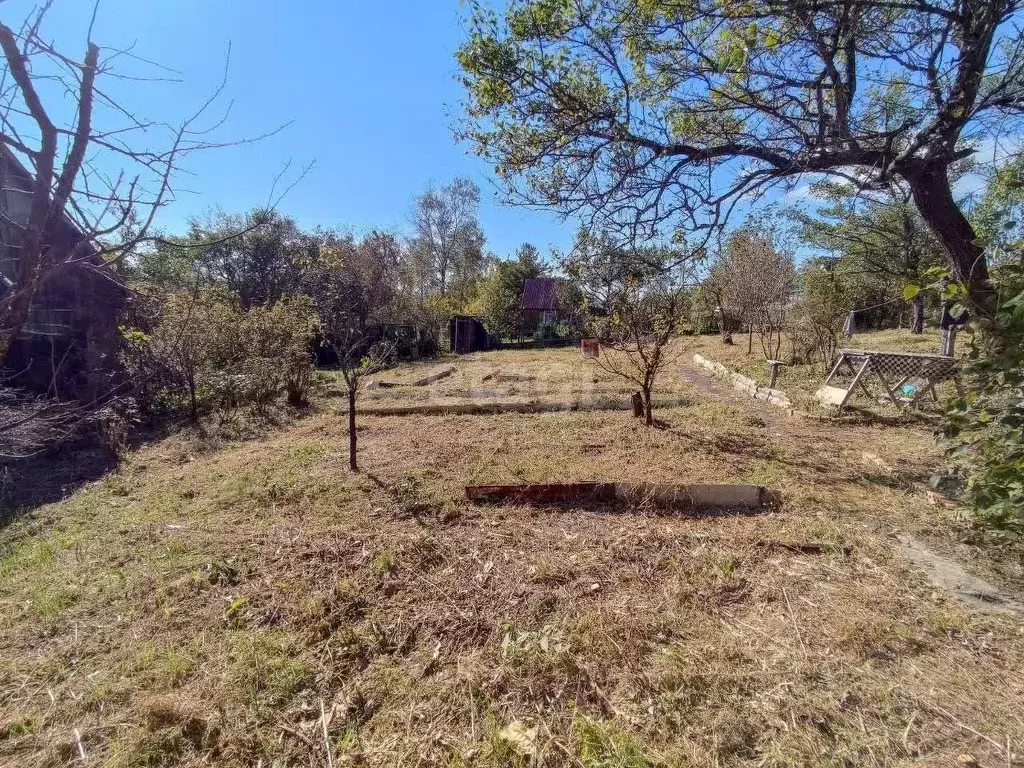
(369, 89)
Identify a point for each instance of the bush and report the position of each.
(816, 318)
(200, 351)
(275, 348)
(985, 429)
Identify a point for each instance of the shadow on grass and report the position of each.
(56, 472)
(50, 476)
(624, 507)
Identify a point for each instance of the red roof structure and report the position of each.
(540, 294)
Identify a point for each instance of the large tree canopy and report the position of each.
(655, 114)
(879, 239)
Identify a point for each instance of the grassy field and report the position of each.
(219, 602)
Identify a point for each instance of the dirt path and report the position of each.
(943, 571)
(951, 576)
(720, 389)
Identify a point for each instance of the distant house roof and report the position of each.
(540, 293)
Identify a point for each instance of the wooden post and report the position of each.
(948, 341)
(638, 405)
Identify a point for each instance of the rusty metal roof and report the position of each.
(540, 293)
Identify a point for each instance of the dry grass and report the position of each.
(198, 606)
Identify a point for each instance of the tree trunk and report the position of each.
(192, 398)
(352, 430)
(933, 197)
(648, 411)
(917, 319)
(725, 327)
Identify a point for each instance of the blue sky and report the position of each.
(369, 89)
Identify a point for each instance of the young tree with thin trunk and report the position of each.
(637, 314)
(636, 337)
(662, 116)
(447, 245)
(354, 290)
(356, 361)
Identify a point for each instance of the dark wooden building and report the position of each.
(70, 340)
(540, 303)
(468, 334)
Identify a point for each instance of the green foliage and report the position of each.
(202, 350)
(604, 745)
(816, 317)
(500, 301)
(275, 347)
(879, 241)
(999, 216)
(658, 118)
(985, 430)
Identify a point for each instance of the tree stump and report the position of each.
(773, 372)
(638, 404)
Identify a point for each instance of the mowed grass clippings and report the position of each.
(223, 607)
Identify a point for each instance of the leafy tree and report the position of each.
(649, 114)
(447, 246)
(879, 238)
(195, 338)
(501, 294)
(644, 317)
(354, 292)
(999, 216)
(602, 267)
(274, 350)
(984, 433)
(257, 256)
(816, 317)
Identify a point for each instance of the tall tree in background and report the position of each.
(879, 237)
(655, 114)
(501, 294)
(257, 256)
(447, 244)
(601, 267)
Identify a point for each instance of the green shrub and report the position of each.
(199, 350)
(984, 434)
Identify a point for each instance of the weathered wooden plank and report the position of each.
(830, 395)
(634, 494)
(442, 374)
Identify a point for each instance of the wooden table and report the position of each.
(900, 368)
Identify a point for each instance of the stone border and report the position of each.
(505, 406)
(775, 397)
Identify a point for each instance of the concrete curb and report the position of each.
(747, 385)
(534, 406)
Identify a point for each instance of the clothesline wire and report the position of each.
(875, 306)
